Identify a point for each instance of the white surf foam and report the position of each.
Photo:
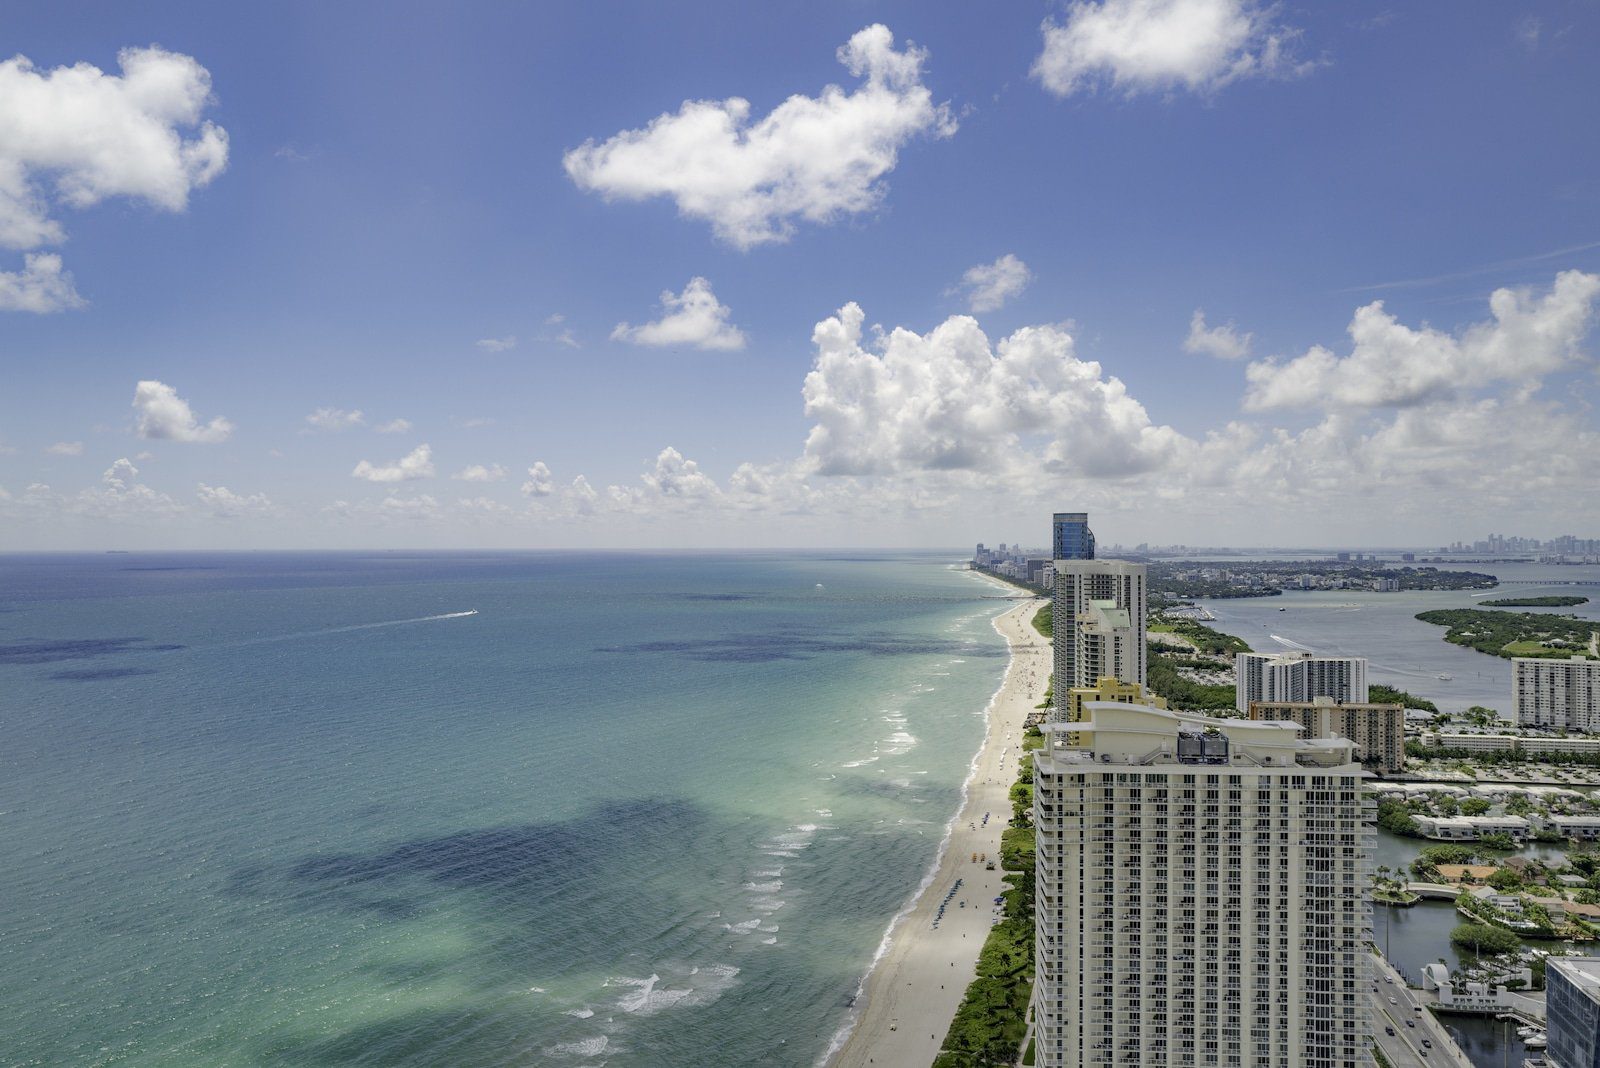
(588, 1047)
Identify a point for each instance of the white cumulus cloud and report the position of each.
(335, 418)
(480, 473)
(1394, 365)
(539, 483)
(990, 285)
(694, 317)
(1159, 45)
(811, 158)
(222, 502)
(41, 286)
(120, 473)
(951, 400)
(75, 136)
(66, 448)
(1225, 342)
(163, 415)
(418, 463)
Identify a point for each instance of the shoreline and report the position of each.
(920, 972)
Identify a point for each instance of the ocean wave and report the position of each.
(764, 888)
(587, 1047)
(745, 927)
(582, 1014)
(702, 986)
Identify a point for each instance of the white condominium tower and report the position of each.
(1200, 894)
(1097, 617)
(1298, 677)
(1561, 694)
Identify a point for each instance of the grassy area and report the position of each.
(1499, 633)
(1043, 623)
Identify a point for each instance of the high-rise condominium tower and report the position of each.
(1298, 676)
(1200, 894)
(1097, 619)
(1070, 536)
(1563, 694)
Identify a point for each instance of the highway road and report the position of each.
(1404, 1048)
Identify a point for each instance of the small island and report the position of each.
(1535, 602)
(1509, 634)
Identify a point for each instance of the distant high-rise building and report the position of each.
(1071, 538)
(1378, 731)
(1098, 622)
(1200, 894)
(1298, 677)
(1560, 694)
(1572, 1012)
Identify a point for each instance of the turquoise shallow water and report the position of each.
(297, 809)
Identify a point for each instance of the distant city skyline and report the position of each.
(1219, 272)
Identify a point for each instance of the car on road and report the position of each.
(1411, 1023)
(1427, 1043)
(1389, 1030)
(1388, 979)
(1392, 1001)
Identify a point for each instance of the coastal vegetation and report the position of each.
(1161, 674)
(1534, 602)
(1202, 637)
(1388, 695)
(1418, 751)
(1511, 634)
(1043, 623)
(1395, 817)
(1202, 649)
(992, 1019)
(1172, 581)
(1484, 940)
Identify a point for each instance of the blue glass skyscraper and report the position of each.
(1071, 537)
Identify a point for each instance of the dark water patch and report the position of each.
(756, 648)
(50, 651)
(722, 597)
(98, 674)
(532, 862)
(546, 902)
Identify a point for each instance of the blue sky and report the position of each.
(387, 215)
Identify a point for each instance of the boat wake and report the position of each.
(359, 626)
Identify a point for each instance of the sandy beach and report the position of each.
(913, 990)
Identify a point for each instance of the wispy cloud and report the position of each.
(1473, 272)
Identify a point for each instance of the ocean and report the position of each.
(475, 809)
